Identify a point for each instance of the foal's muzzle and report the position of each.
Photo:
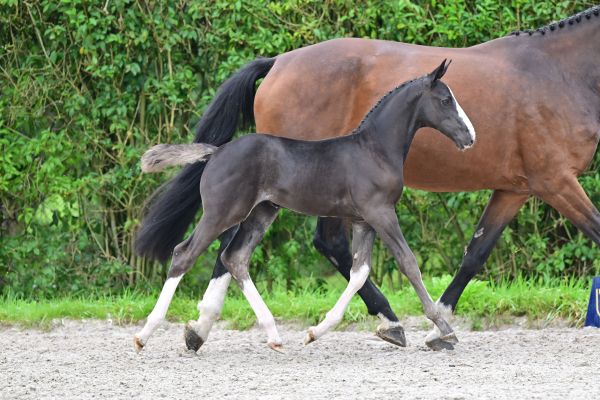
(465, 139)
(467, 145)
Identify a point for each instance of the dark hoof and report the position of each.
(393, 335)
(192, 340)
(442, 343)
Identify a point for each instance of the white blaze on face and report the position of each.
(463, 116)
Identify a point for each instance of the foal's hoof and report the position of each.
(193, 341)
(310, 337)
(277, 347)
(138, 344)
(437, 343)
(394, 335)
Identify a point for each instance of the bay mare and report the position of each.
(533, 97)
(357, 177)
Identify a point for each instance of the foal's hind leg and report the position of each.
(237, 257)
(231, 254)
(331, 241)
(184, 256)
(362, 246)
(196, 332)
(385, 222)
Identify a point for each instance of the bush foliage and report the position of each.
(87, 86)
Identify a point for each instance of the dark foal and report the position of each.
(358, 177)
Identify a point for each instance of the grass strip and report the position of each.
(482, 301)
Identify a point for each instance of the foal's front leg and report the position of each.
(211, 305)
(385, 222)
(362, 245)
(184, 256)
(331, 240)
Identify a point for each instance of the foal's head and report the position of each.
(440, 110)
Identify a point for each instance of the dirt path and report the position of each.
(96, 360)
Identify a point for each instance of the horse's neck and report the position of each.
(392, 130)
(573, 49)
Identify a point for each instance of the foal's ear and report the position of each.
(439, 72)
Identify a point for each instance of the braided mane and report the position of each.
(573, 19)
(380, 102)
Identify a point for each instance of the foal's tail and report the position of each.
(174, 205)
(164, 155)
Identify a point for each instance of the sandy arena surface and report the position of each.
(94, 359)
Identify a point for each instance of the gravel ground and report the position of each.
(95, 359)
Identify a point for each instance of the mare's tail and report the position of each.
(174, 205)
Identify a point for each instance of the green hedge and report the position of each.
(87, 86)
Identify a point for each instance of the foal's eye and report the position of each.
(446, 101)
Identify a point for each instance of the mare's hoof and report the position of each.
(310, 337)
(277, 347)
(437, 343)
(138, 344)
(193, 341)
(394, 335)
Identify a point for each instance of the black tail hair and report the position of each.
(173, 206)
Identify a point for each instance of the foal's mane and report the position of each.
(573, 19)
(381, 101)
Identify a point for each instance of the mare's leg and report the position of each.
(362, 245)
(331, 240)
(568, 198)
(385, 222)
(184, 256)
(196, 332)
(500, 210)
(236, 259)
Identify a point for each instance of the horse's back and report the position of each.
(341, 78)
(234, 162)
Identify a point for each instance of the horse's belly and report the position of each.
(311, 200)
